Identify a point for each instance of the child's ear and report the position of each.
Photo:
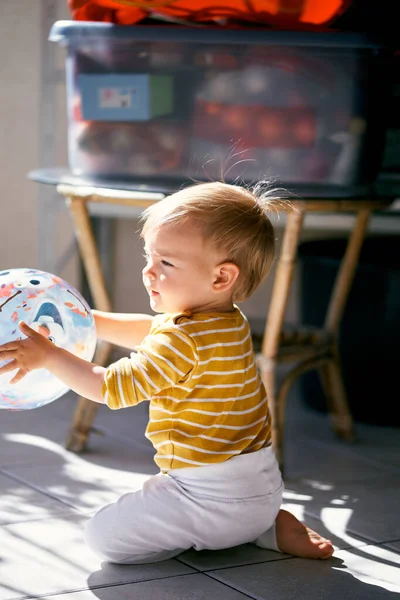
(225, 276)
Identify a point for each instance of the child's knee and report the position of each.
(100, 538)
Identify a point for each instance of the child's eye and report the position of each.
(166, 263)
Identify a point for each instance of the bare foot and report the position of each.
(298, 540)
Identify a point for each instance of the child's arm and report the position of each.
(36, 352)
(122, 329)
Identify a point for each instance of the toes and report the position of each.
(326, 550)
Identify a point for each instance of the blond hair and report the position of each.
(232, 219)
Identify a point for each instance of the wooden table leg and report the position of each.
(86, 410)
(276, 314)
(89, 253)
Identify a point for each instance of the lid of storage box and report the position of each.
(68, 32)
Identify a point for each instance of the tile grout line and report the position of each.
(41, 491)
(60, 515)
(258, 562)
(246, 594)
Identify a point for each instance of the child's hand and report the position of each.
(27, 355)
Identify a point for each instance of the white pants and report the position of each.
(211, 507)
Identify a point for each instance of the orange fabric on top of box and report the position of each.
(277, 13)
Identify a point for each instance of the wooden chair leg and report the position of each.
(280, 294)
(336, 397)
(282, 282)
(330, 373)
(281, 396)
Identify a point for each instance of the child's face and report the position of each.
(180, 271)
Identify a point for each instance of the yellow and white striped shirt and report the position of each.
(207, 402)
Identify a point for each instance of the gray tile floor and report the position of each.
(349, 493)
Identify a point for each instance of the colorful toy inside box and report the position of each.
(295, 112)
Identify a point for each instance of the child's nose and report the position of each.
(148, 272)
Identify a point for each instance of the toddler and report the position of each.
(207, 248)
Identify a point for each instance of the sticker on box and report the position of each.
(116, 97)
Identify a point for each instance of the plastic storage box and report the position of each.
(171, 103)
